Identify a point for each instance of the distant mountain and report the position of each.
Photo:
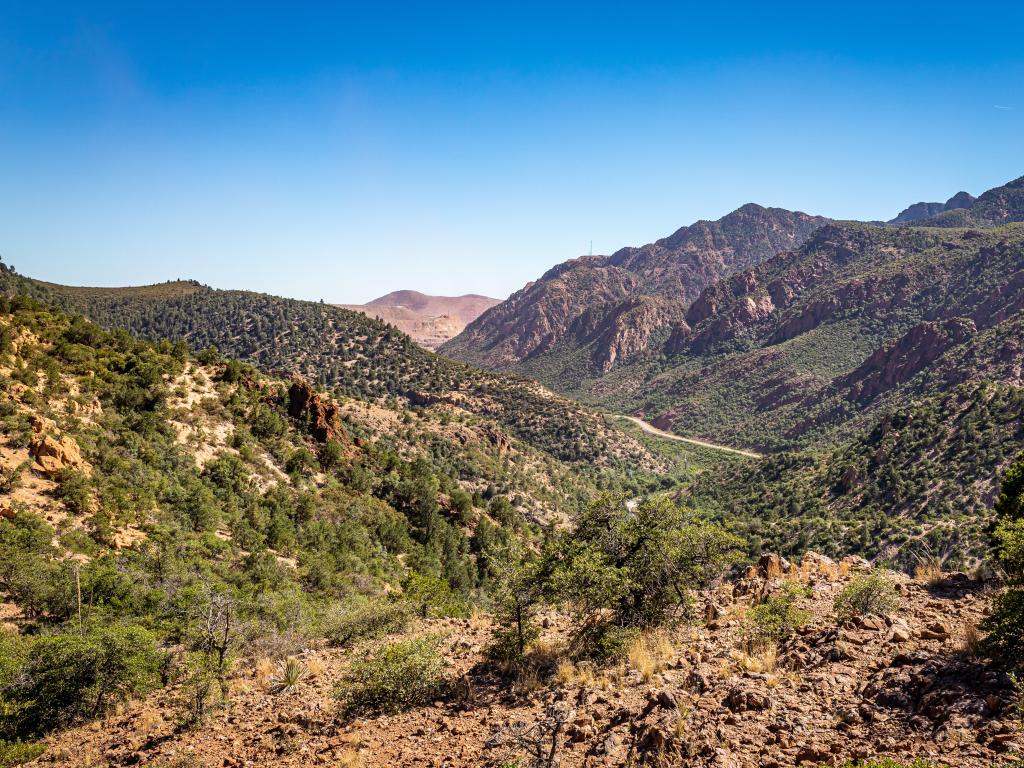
(920, 211)
(790, 352)
(466, 308)
(428, 320)
(1000, 205)
(591, 313)
(997, 206)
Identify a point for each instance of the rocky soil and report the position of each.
(905, 685)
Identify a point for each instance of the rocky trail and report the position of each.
(653, 430)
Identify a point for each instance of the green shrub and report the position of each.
(1005, 627)
(73, 488)
(632, 568)
(18, 752)
(360, 620)
(874, 594)
(68, 678)
(776, 618)
(400, 676)
(432, 596)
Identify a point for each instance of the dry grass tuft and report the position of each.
(350, 758)
(972, 640)
(265, 670)
(764, 662)
(315, 666)
(581, 674)
(929, 571)
(650, 653)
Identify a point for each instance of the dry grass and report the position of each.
(971, 645)
(478, 619)
(682, 723)
(764, 662)
(146, 724)
(611, 678)
(651, 653)
(315, 666)
(265, 671)
(929, 571)
(582, 674)
(350, 758)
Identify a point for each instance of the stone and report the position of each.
(770, 566)
(740, 700)
(696, 681)
(899, 634)
(52, 456)
(813, 752)
(667, 700)
(935, 630)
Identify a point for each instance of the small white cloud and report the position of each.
(1000, 106)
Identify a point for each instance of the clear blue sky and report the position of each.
(339, 151)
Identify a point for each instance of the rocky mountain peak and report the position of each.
(612, 306)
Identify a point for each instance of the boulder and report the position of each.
(814, 752)
(742, 700)
(52, 455)
(814, 564)
(772, 566)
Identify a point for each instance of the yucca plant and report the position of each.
(289, 673)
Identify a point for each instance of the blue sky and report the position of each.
(339, 151)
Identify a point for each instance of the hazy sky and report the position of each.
(340, 151)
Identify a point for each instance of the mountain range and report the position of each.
(794, 335)
(803, 337)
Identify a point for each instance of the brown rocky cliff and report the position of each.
(52, 454)
(617, 302)
(898, 361)
(308, 406)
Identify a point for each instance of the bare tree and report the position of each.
(540, 739)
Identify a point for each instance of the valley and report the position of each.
(741, 487)
(756, 504)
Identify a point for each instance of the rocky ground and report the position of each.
(905, 686)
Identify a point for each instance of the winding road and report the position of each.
(653, 430)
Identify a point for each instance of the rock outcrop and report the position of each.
(900, 360)
(321, 416)
(52, 455)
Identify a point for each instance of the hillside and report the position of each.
(190, 495)
(791, 351)
(346, 352)
(997, 206)
(906, 687)
(430, 321)
(589, 314)
(912, 485)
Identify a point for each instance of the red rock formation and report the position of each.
(306, 405)
(898, 361)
